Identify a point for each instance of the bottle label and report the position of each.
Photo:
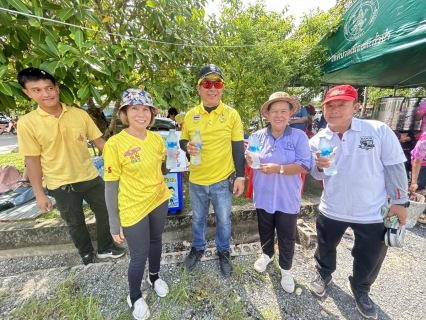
(171, 144)
(326, 152)
(254, 148)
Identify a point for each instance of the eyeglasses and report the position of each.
(209, 84)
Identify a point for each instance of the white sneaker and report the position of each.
(160, 287)
(140, 308)
(261, 263)
(287, 281)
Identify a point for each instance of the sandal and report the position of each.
(422, 219)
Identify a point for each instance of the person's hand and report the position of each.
(43, 203)
(238, 187)
(192, 148)
(269, 168)
(322, 162)
(413, 187)
(249, 160)
(400, 211)
(119, 238)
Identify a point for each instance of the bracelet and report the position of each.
(241, 178)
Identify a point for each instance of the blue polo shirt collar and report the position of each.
(286, 132)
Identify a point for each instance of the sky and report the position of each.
(296, 7)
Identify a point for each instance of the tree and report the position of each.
(104, 48)
(274, 54)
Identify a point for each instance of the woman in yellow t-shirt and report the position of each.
(136, 194)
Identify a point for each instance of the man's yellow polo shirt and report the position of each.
(60, 143)
(136, 163)
(218, 129)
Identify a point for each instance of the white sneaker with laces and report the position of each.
(140, 308)
(160, 287)
(287, 281)
(262, 262)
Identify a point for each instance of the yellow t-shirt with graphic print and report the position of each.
(218, 129)
(136, 163)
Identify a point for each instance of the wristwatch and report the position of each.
(405, 205)
(281, 169)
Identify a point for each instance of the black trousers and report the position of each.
(69, 200)
(145, 240)
(368, 251)
(285, 224)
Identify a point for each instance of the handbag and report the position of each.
(394, 235)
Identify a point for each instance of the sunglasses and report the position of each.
(209, 84)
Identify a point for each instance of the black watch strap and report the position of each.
(405, 205)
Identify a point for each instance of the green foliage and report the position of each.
(66, 302)
(159, 46)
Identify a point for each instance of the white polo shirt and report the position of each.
(357, 191)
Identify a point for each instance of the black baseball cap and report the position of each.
(210, 69)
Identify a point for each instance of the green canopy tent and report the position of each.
(381, 43)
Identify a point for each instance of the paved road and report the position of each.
(8, 142)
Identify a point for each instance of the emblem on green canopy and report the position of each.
(361, 17)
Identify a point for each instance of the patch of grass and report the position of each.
(67, 302)
(12, 159)
(312, 188)
(4, 295)
(271, 314)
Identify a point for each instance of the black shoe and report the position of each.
(192, 258)
(6, 205)
(87, 258)
(113, 252)
(225, 263)
(363, 303)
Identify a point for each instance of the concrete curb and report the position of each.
(178, 228)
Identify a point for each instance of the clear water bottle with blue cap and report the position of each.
(171, 143)
(254, 148)
(326, 149)
(197, 139)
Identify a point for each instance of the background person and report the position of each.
(298, 120)
(222, 154)
(284, 155)
(172, 113)
(370, 166)
(52, 139)
(25, 191)
(137, 196)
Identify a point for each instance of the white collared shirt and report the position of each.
(357, 192)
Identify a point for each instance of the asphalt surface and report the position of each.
(8, 142)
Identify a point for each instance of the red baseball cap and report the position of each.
(343, 92)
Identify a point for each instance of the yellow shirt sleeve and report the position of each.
(112, 165)
(27, 142)
(185, 135)
(237, 131)
(93, 131)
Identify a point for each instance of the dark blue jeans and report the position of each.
(69, 200)
(368, 251)
(221, 198)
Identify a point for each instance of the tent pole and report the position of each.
(394, 91)
(364, 103)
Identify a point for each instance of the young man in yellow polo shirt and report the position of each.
(222, 153)
(52, 139)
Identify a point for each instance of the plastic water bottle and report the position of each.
(326, 149)
(254, 148)
(197, 139)
(171, 140)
